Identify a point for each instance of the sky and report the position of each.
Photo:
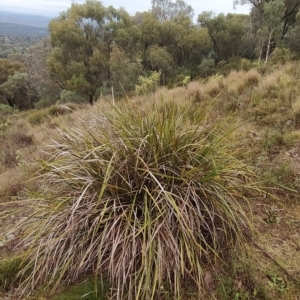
(51, 8)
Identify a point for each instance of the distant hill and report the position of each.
(15, 30)
(24, 19)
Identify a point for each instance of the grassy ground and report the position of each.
(265, 108)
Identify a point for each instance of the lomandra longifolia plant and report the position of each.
(142, 198)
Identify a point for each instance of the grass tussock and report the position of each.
(145, 198)
(9, 270)
(120, 191)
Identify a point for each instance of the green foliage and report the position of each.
(166, 9)
(140, 193)
(83, 291)
(277, 281)
(246, 64)
(148, 85)
(286, 18)
(124, 71)
(36, 61)
(82, 39)
(5, 109)
(38, 117)
(185, 42)
(235, 63)
(8, 68)
(281, 56)
(207, 66)
(18, 91)
(70, 96)
(271, 25)
(228, 290)
(186, 81)
(227, 33)
(160, 59)
(182, 78)
(44, 103)
(9, 269)
(3, 127)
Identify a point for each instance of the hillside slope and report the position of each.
(24, 19)
(264, 107)
(16, 30)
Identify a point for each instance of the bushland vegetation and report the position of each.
(206, 171)
(93, 48)
(179, 182)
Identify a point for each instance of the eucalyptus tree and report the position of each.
(287, 16)
(8, 68)
(185, 41)
(227, 33)
(82, 39)
(36, 64)
(271, 23)
(167, 10)
(149, 29)
(160, 59)
(125, 71)
(18, 91)
(292, 38)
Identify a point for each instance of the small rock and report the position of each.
(288, 123)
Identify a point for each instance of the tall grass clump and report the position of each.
(143, 198)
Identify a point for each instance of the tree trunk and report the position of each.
(260, 53)
(91, 99)
(11, 101)
(269, 46)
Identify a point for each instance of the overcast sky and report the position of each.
(51, 8)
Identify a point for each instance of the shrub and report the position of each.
(6, 109)
(148, 85)
(37, 117)
(252, 78)
(70, 96)
(246, 64)
(44, 103)
(195, 92)
(186, 81)
(147, 198)
(4, 126)
(207, 66)
(281, 56)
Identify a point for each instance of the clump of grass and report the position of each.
(195, 92)
(145, 198)
(252, 78)
(5, 109)
(12, 139)
(213, 86)
(296, 113)
(38, 117)
(9, 270)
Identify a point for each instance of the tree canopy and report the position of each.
(94, 49)
(82, 40)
